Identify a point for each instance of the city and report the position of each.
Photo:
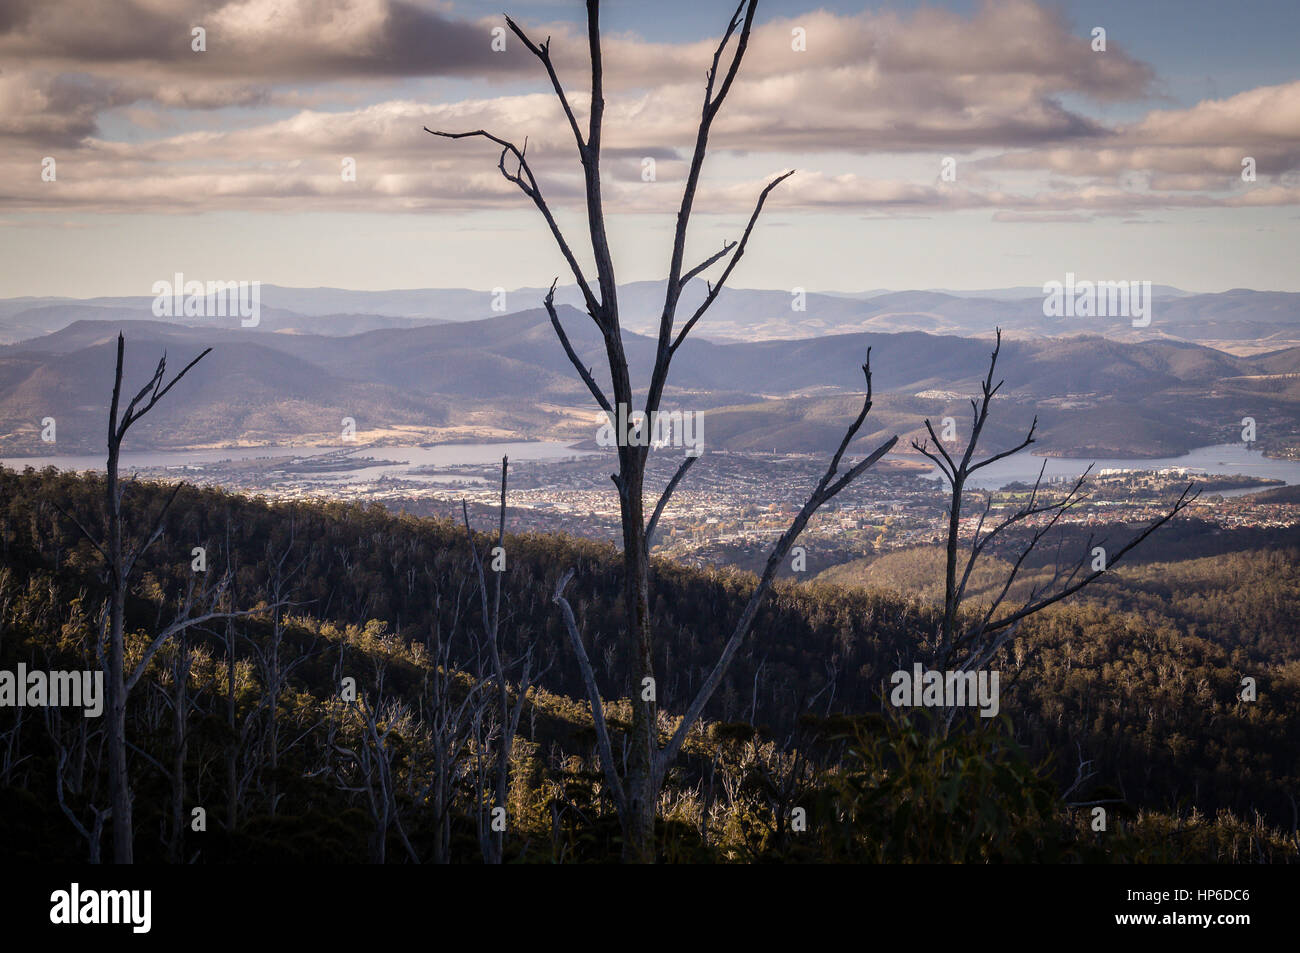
(731, 506)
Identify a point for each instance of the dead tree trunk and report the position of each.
(119, 569)
(118, 782)
(180, 742)
(273, 664)
(637, 793)
(494, 844)
(968, 644)
(232, 746)
(120, 563)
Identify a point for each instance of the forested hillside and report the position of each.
(249, 716)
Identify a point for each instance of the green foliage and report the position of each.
(1144, 680)
(909, 793)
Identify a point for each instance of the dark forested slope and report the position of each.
(1142, 681)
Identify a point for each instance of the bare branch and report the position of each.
(1029, 438)
(853, 427)
(155, 533)
(982, 412)
(938, 445)
(1058, 510)
(84, 532)
(583, 371)
(686, 464)
(823, 492)
(736, 256)
(706, 264)
(180, 625)
(593, 692)
(543, 52)
(923, 448)
(531, 189)
(1185, 500)
(131, 415)
(712, 104)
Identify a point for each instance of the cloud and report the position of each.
(295, 79)
(261, 40)
(933, 78)
(1196, 144)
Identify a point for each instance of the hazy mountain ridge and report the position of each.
(1092, 395)
(1238, 317)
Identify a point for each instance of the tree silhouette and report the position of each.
(967, 646)
(636, 791)
(120, 561)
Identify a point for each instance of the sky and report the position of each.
(959, 145)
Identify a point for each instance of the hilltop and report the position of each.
(509, 377)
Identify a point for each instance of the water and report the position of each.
(1023, 467)
(440, 455)
(1230, 459)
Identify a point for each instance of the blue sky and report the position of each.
(224, 164)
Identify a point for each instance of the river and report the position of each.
(1231, 459)
(440, 455)
(1023, 467)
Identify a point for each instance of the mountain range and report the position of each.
(1240, 320)
(507, 377)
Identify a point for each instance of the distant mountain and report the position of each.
(517, 355)
(241, 392)
(509, 375)
(1238, 320)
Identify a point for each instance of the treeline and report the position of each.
(249, 717)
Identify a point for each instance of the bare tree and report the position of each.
(452, 713)
(180, 746)
(275, 670)
(964, 644)
(369, 767)
(494, 846)
(636, 794)
(120, 561)
(77, 771)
